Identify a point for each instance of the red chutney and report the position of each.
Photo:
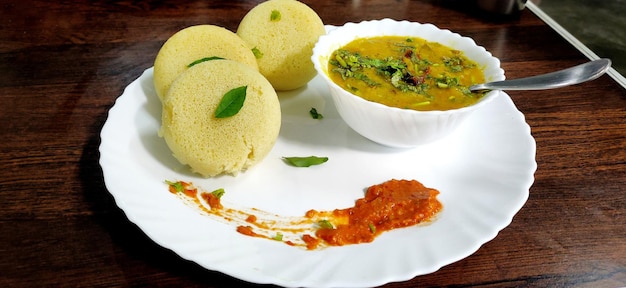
(392, 204)
(182, 187)
(246, 230)
(212, 199)
(311, 242)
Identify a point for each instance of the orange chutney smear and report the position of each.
(390, 205)
(387, 206)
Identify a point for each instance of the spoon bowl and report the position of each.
(570, 76)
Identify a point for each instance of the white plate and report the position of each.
(483, 171)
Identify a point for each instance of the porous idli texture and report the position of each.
(195, 43)
(210, 145)
(284, 33)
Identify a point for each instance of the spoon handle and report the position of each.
(570, 76)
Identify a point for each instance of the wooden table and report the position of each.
(62, 66)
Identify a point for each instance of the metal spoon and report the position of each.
(570, 76)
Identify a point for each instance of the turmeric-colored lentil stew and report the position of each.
(406, 72)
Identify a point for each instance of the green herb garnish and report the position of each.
(456, 63)
(372, 228)
(315, 114)
(275, 16)
(305, 161)
(204, 60)
(325, 224)
(178, 186)
(231, 103)
(218, 193)
(257, 53)
(278, 237)
(445, 81)
(352, 65)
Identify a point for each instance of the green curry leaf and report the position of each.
(305, 161)
(204, 60)
(231, 103)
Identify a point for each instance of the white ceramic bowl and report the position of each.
(391, 126)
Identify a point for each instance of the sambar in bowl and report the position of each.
(403, 84)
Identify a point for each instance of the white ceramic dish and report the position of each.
(392, 126)
(483, 171)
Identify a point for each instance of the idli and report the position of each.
(283, 34)
(212, 145)
(195, 43)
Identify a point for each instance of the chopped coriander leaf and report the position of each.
(177, 186)
(257, 53)
(275, 15)
(218, 193)
(445, 81)
(278, 237)
(456, 63)
(325, 224)
(351, 65)
(467, 92)
(372, 228)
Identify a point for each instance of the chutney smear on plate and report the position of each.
(390, 205)
(386, 206)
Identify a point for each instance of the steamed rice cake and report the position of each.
(283, 32)
(194, 43)
(210, 145)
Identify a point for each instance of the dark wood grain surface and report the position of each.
(63, 64)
